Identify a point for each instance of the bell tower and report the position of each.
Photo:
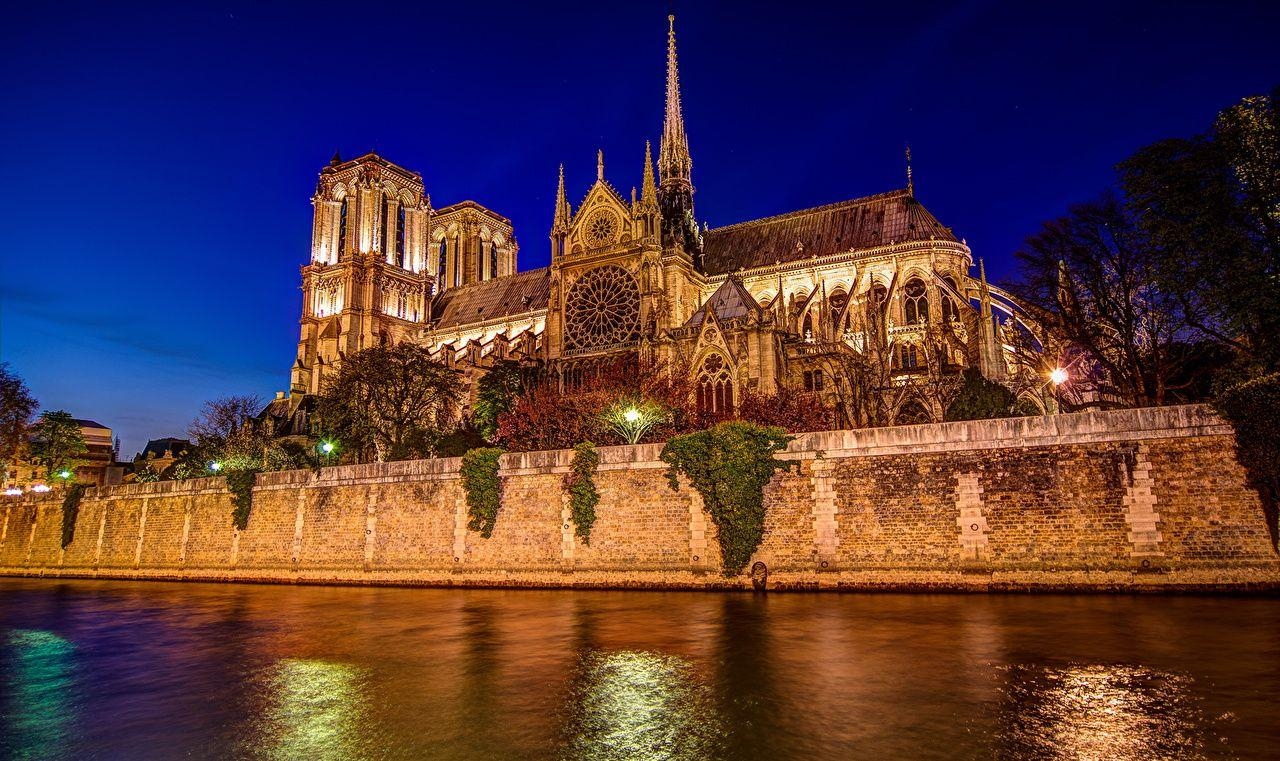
(368, 282)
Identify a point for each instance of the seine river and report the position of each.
(150, 670)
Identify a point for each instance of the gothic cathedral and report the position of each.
(873, 288)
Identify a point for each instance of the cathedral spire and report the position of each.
(674, 164)
(560, 222)
(648, 188)
(911, 186)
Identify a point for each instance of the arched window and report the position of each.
(715, 386)
(915, 308)
(342, 228)
(444, 255)
(813, 380)
(493, 260)
(950, 312)
(836, 305)
(400, 236)
(911, 359)
(806, 327)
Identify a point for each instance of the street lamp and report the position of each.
(1058, 376)
(327, 448)
(215, 466)
(631, 415)
(13, 491)
(64, 474)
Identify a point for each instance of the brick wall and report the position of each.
(1128, 499)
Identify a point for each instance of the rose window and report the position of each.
(602, 228)
(601, 309)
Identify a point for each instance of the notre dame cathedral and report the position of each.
(791, 300)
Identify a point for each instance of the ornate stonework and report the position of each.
(791, 300)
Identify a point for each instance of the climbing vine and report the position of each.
(729, 465)
(483, 487)
(240, 482)
(583, 496)
(70, 511)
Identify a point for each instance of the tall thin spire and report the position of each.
(561, 219)
(599, 163)
(648, 188)
(674, 164)
(911, 186)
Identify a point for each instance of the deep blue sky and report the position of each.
(157, 161)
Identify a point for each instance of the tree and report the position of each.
(1210, 207)
(56, 442)
(393, 400)
(225, 423)
(17, 406)
(1090, 279)
(497, 391)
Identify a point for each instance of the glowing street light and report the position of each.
(631, 420)
(13, 492)
(1058, 376)
(631, 415)
(215, 466)
(64, 474)
(41, 488)
(327, 447)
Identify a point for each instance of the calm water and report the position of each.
(149, 670)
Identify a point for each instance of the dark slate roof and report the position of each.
(161, 447)
(90, 424)
(491, 299)
(730, 300)
(878, 220)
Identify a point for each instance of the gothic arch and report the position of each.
(715, 385)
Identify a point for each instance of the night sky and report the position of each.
(157, 162)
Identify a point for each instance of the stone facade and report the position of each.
(869, 293)
(1110, 500)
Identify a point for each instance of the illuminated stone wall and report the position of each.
(1129, 499)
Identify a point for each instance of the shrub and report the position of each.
(483, 487)
(791, 410)
(70, 511)
(729, 465)
(981, 399)
(583, 496)
(1253, 408)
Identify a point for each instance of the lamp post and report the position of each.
(327, 448)
(1057, 377)
(215, 466)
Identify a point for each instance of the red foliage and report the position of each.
(794, 411)
(548, 417)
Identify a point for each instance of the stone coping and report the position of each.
(1041, 430)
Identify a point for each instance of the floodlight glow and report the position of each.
(1058, 375)
(13, 492)
(41, 488)
(327, 447)
(215, 466)
(64, 474)
(631, 415)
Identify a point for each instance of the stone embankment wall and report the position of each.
(1133, 499)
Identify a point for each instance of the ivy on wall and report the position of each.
(483, 488)
(729, 465)
(71, 511)
(240, 482)
(1253, 408)
(583, 496)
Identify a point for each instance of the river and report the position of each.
(162, 670)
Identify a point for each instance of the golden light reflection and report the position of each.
(316, 710)
(641, 705)
(1101, 712)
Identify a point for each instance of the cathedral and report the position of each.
(872, 291)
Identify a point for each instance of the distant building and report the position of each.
(98, 466)
(159, 454)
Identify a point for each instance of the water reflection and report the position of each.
(641, 705)
(39, 714)
(1101, 712)
(315, 711)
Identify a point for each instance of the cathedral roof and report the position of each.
(731, 300)
(893, 217)
(493, 299)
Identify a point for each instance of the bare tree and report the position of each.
(17, 406)
(224, 422)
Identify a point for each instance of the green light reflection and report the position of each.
(40, 715)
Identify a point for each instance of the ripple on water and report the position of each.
(1100, 712)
